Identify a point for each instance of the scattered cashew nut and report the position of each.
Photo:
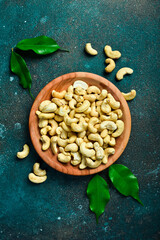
(111, 66)
(111, 54)
(24, 153)
(129, 96)
(123, 71)
(90, 50)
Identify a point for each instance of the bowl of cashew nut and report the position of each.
(80, 123)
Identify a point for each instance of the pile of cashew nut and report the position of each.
(38, 175)
(80, 125)
(112, 55)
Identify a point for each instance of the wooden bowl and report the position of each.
(60, 84)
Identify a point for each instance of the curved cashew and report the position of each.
(54, 144)
(89, 145)
(99, 151)
(43, 104)
(99, 103)
(79, 141)
(111, 66)
(104, 133)
(63, 110)
(79, 91)
(72, 147)
(81, 134)
(58, 118)
(38, 171)
(38, 112)
(123, 71)
(107, 139)
(68, 96)
(87, 111)
(79, 115)
(118, 112)
(49, 108)
(112, 117)
(93, 89)
(72, 103)
(72, 138)
(102, 96)
(76, 158)
(83, 107)
(63, 158)
(70, 89)
(42, 123)
(90, 50)
(90, 97)
(92, 164)
(59, 102)
(99, 110)
(59, 95)
(80, 83)
(78, 98)
(78, 104)
(91, 124)
(86, 119)
(96, 138)
(85, 151)
(69, 120)
(112, 102)
(80, 127)
(45, 142)
(61, 149)
(109, 125)
(44, 130)
(46, 115)
(120, 128)
(54, 126)
(93, 113)
(129, 96)
(83, 163)
(64, 134)
(111, 54)
(112, 142)
(36, 179)
(105, 107)
(107, 152)
(62, 142)
(65, 127)
(72, 113)
(85, 139)
(24, 153)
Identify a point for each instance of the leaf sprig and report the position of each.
(41, 45)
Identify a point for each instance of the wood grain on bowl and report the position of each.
(59, 84)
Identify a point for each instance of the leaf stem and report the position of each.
(65, 50)
(31, 94)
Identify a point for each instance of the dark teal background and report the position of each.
(59, 209)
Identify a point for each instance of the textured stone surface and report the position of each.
(58, 209)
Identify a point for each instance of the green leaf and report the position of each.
(19, 67)
(98, 194)
(40, 45)
(124, 181)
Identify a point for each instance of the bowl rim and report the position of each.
(126, 132)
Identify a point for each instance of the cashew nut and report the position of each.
(63, 158)
(80, 127)
(24, 153)
(63, 110)
(36, 179)
(123, 71)
(112, 117)
(59, 102)
(59, 95)
(102, 96)
(87, 111)
(93, 89)
(81, 134)
(45, 142)
(109, 125)
(91, 124)
(44, 130)
(80, 83)
(90, 50)
(72, 147)
(92, 164)
(118, 112)
(49, 108)
(111, 54)
(58, 118)
(107, 152)
(111, 66)
(61, 149)
(54, 144)
(96, 138)
(83, 163)
(76, 158)
(90, 97)
(70, 89)
(38, 171)
(104, 133)
(65, 127)
(68, 96)
(62, 142)
(120, 128)
(72, 113)
(69, 120)
(112, 142)
(78, 98)
(79, 91)
(85, 151)
(83, 107)
(42, 123)
(99, 151)
(54, 126)
(43, 104)
(46, 115)
(79, 141)
(112, 102)
(105, 107)
(129, 96)
(72, 138)
(93, 113)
